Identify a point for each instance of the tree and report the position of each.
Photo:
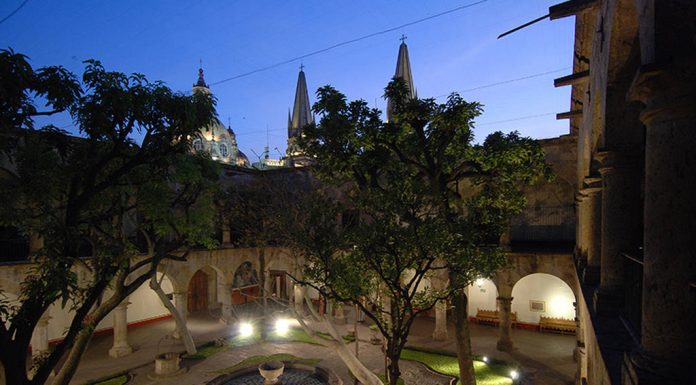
(94, 198)
(405, 178)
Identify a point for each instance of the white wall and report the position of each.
(144, 304)
(556, 294)
(482, 295)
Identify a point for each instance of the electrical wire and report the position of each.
(351, 41)
(15, 11)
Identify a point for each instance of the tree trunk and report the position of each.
(393, 366)
(357, 368)
(463, 337)
(180, 323)
(67, 371)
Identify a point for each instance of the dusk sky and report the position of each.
(164, 40)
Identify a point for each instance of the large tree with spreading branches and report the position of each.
(432, 204)
(115, 200)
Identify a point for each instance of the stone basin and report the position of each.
(270, 371)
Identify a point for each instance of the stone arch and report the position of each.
(205, 288)
(245, 283)
(542, 294)
(482, 294)
(173, 271)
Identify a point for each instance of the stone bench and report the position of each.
(557, 325)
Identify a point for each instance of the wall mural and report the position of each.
(245, 276)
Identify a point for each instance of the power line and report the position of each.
(348, 42)
(516, 119)
(15, 11)
(508, 81)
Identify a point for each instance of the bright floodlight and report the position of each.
(282, 326)
(246, 329)
(485, 359)
(479, 282)
(514, 374)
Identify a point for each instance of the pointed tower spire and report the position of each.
(301, 110)
(403, 71)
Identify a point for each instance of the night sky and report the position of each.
(165, 40)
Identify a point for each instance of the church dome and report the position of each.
(221, 143)
(216, 139)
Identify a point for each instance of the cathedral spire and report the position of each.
(301, 110)
(403, 71)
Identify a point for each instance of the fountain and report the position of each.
(279, 373)
(270, 371)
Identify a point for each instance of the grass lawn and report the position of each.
(119, 380)
(257, 360)
(486, 374)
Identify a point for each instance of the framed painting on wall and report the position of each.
(538, 306)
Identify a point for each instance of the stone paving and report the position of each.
(545, 358)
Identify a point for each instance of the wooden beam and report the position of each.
(570, 8)
(527, 24)
(569, 114)
(572, 79)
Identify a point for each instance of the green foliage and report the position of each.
(116, 200)
(432, 203)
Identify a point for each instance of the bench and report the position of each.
(557, 325)
(492, 317)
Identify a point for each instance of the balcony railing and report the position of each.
(544, 224)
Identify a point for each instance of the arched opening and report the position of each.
(542, 296)
(482, 295)
(203, 290)
(245, 284)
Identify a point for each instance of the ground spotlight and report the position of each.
(245, 329)
(485, 359)
(282, 326)
(514, 374)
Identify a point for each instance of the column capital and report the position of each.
(504, 299)
(668, 92)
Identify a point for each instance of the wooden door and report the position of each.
(198, 292)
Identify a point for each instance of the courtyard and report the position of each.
(543, 358)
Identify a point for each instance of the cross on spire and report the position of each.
(301, 66)
(200, 63)
(403, 38)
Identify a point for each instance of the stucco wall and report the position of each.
(557, 296)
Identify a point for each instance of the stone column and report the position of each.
(669, 307)
(440, 332)
(39, 339)
(299, 291)
(580, 229)
(621, 222)
(339, 314)
(505, 327)
(181, 304)
(592, 230)
(121, 347)
(226, 315)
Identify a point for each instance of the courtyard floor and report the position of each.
(544, 358)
